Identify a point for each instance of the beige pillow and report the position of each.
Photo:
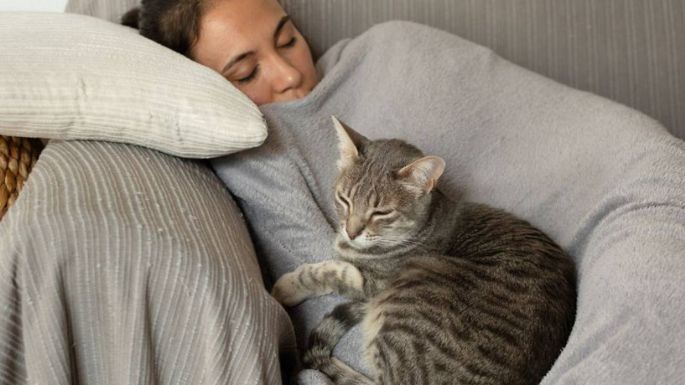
(67, 76)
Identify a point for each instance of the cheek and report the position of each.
(380, 227)
(374, 228)
(257, 92)
(401, 226)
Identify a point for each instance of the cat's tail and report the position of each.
(324, 338)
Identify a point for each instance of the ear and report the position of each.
(422, 175)
(348, 143)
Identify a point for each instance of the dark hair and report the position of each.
(172, 23)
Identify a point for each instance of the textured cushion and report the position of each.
(605, 181)
(631, 51)
(122, 265)
(111, 10)
(70, 76)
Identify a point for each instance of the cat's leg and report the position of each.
(315, 279)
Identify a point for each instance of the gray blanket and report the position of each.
(603, 180)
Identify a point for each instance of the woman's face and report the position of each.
(254, 45)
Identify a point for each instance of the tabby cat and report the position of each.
(447, 292)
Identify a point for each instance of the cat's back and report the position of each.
(487, 235)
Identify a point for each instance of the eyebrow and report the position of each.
(277, 32)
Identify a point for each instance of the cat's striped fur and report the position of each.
(447, 292)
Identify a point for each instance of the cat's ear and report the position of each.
(422, 175)
(348, 143)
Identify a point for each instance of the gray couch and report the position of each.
(168, 229)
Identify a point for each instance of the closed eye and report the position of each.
(381, 213)
(251, 76)
(289, 44)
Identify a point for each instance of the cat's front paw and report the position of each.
(288, 290)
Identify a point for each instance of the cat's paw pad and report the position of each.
(288, 290)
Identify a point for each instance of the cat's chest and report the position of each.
(378, 274)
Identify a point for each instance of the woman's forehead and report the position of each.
(229, 27)
(241, 17)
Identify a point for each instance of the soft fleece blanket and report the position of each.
(606, 182)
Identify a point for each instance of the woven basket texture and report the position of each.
(17, 157)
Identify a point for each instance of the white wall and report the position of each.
(33, 5)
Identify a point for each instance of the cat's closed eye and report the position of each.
(384, 216)
(381, 213)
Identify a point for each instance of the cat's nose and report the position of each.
(353, 227)
(353, 233)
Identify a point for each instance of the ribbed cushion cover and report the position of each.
(631, 51)
(123, 265)
(69, 76)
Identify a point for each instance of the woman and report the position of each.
(252, 43)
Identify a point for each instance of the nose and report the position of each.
(353, 227)
(285, 76)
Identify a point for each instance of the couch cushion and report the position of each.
(111, 10)
(123, 265)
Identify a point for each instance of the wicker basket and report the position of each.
(17, 157)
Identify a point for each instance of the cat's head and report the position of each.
(383, 191)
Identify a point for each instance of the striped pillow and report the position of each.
(68, 76)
